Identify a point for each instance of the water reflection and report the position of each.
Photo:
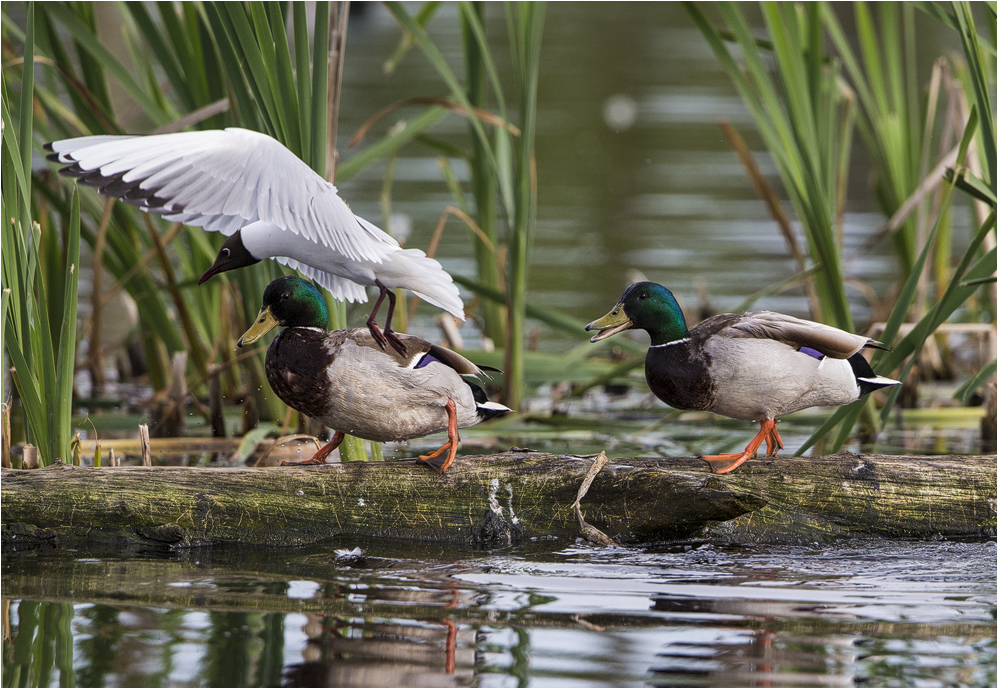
(362, 653)
(40, 652)
(883, 613)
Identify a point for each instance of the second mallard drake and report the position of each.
(756, 366)
(344, 379)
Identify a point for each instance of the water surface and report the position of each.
(867, 613)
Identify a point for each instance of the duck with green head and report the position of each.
(347, 381)
(756, 366)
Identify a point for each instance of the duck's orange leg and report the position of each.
(320, 457)
(768, 433)
(452, 440)
(774, 442)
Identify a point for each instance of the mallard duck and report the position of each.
(346, 381)
(756, 366)
(268, 202)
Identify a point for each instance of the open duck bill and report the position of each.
(265, 322)
(613, 322)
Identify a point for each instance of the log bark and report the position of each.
(503, 499)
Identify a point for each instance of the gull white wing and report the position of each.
(221, 181)
(341, 288)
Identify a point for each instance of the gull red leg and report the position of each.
(452, 440)
(320, 457)
(768, 430)
(387, 336)
(376, 332)
(399, 346)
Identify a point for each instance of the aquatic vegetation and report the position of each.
(503, 179)
(40, 284)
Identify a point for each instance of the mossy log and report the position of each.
(503, 499)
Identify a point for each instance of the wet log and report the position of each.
(503, 499)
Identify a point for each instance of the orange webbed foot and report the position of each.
(452, 441)
(768, 433)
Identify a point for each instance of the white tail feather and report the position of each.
(495, 406)
(879, 380)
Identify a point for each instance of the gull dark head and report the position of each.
(233, 254)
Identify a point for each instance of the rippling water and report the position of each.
(868, 613)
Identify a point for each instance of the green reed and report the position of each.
(282, 87)
(502, 163)
(975, 270)
(805, 122)
(224, 64)
(484, 181)
(136, 247)
(40, 280)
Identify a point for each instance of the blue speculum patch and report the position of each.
(425, 360)
(810, 352)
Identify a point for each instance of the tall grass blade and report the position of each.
(956, 293)
(980, 81)
(438, 61)
(390, 144)
(525, 23)
(40, 330)
(969, 387)
(479, 68)
(320, 87)
(798, 113)
(99, 54)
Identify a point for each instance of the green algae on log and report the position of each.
(502, 499)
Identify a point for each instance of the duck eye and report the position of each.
(285, 295)
(642, 296)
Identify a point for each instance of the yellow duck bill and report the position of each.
(613, 322)
(265, 322)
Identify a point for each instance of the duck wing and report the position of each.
(420, 353)
(798, 333)
(222, 180)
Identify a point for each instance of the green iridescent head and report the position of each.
(288, 301)
(647, 306)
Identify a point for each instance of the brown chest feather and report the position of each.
(296, 365)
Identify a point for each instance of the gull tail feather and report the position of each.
(415, 271)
